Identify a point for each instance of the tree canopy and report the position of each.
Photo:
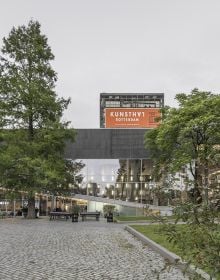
(33, 134)
(189, 134)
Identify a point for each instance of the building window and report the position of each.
(112, 104)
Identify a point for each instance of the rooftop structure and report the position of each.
(130, 110)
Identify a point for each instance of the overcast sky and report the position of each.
(168, 46)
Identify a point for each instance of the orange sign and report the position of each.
(131, 117)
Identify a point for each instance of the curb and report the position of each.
(173, 258)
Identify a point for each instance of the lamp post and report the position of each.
(122, 186)
(141, 179)
(141, 191)
(87, 176)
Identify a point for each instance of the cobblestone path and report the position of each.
(57, 250)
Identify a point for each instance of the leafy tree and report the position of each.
(73, 174)
(198, 239)
(32, 131)
(122, 176)
(189, 134)
(108, 208)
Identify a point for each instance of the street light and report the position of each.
(141, 180)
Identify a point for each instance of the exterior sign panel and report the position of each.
(131, 117)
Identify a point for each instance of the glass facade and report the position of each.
(128, 180)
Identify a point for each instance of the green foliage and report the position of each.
(193, 214)
(73, 175)
(155, 232)
(196, 245)
(11, 195)
(75, 209)
(108, 208)
(33, 135)
(189, 134)
(199, 239)
(151, 218)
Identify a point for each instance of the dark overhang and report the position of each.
(108, 144)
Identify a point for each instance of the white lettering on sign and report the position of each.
(127, 120)
(127, 114)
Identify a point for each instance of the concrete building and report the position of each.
(117, 165)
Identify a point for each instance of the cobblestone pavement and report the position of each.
(41, 249)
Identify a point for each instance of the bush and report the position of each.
(75, 209)
(199, 240)
(108, 208)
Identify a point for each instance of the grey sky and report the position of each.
(165, 46)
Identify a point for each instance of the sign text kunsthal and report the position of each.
(131, 117)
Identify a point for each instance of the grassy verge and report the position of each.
(140, 218)
(133, 218)
(155, 233)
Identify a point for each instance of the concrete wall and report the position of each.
(122, 210)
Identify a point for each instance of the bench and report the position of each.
(55, 215)
(6, 214)
(90, 214)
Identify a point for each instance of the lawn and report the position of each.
(134, 218)
(140, 218)
(155, 233)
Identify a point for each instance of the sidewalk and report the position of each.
(55, 250)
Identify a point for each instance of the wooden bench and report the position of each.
(54, 215)
(90, 214)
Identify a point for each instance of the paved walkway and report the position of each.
(56, 250)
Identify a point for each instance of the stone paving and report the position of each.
(56, 250)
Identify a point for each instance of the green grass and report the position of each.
(139, 218)
(133, 218)
(152, 232)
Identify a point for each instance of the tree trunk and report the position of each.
(122, 191)
(197, 198)
(206, 182)
(132, 192)
(31, 208)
